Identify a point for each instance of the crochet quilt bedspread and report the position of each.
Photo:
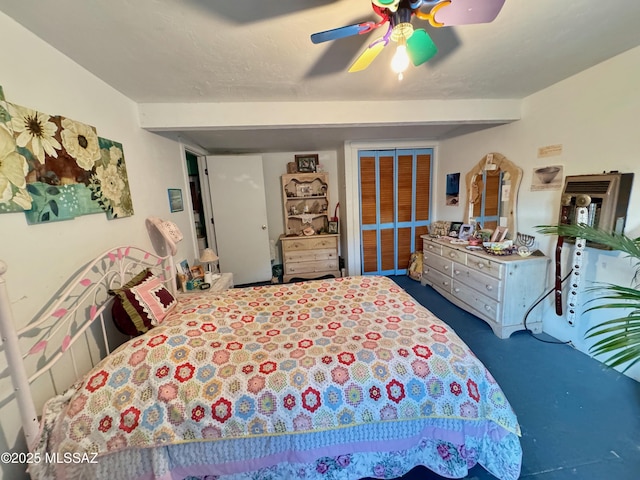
(316, 356)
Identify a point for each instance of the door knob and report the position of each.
(264, 227)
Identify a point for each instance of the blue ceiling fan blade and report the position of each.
(341, 32)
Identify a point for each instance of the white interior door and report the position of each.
(240, 216)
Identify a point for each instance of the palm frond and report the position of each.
(631, 354)
(630, 292)
(612, 240)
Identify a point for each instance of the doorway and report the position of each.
(198, 203)
(395, 204)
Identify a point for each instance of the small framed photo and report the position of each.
(333, 227)
(465, 232)
(176, 204)
(197, 271)
(306, 163)
(183, 269)
(454, 229)
(499, 234)
(303, 190)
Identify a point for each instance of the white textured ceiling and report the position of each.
(200, 51)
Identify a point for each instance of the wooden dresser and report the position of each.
(498, 289)
(310, 257)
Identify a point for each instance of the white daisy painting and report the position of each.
(13, 167)
(54, 168)
(109, 181)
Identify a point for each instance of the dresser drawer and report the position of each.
(454, 255)
(438, 263)
(437, 279)
(309, 243)
(428, 247)
(310, 255)
(490, 286)
(310, 267)
(487, 306)
(485, 265)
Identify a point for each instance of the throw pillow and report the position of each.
(141, 304)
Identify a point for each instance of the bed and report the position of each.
(327, 379)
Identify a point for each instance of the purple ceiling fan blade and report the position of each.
(465, 12)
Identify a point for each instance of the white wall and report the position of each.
(594, 116)
(40, 257)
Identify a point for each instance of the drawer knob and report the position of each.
(446, 267)
(446, 284)
(480, 265)
(457, 272)
(487, 308)
(489, 287)
(457, 290)
(452, 254)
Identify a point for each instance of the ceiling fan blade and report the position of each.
(420, 47)
(466, 12)
(341, 32)
(368, 56)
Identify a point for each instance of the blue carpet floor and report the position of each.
(579, 419)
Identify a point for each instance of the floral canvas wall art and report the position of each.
(13, 167)
(109, 182)
(55, 168)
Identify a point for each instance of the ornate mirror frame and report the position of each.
(496, 161)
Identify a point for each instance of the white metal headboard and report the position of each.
(68, 316)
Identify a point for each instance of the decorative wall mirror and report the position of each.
(492, 193)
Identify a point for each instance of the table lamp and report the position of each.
(208, 256)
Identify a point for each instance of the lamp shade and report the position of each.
(208, 255)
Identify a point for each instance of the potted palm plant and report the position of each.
(619, 337)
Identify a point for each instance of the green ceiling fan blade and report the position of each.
(420, 47)
(368, 56)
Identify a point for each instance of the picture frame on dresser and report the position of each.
(499, 234)
(333, 227)
(466, 231)
(306, 163)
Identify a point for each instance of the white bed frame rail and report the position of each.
(67, 317)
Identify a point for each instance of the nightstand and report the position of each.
(222, 283)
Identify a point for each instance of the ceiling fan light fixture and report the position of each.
(400, 61)
(401, 32)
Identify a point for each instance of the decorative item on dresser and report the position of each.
(498, 289)
(307, 162)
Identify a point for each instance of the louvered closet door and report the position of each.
(395, 192)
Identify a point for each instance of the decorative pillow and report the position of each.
(140, 304)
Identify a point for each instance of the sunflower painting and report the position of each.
(55, 168)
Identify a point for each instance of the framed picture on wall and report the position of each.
(307, 163)
(176, 204)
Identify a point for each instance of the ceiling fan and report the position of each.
(415, 46)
